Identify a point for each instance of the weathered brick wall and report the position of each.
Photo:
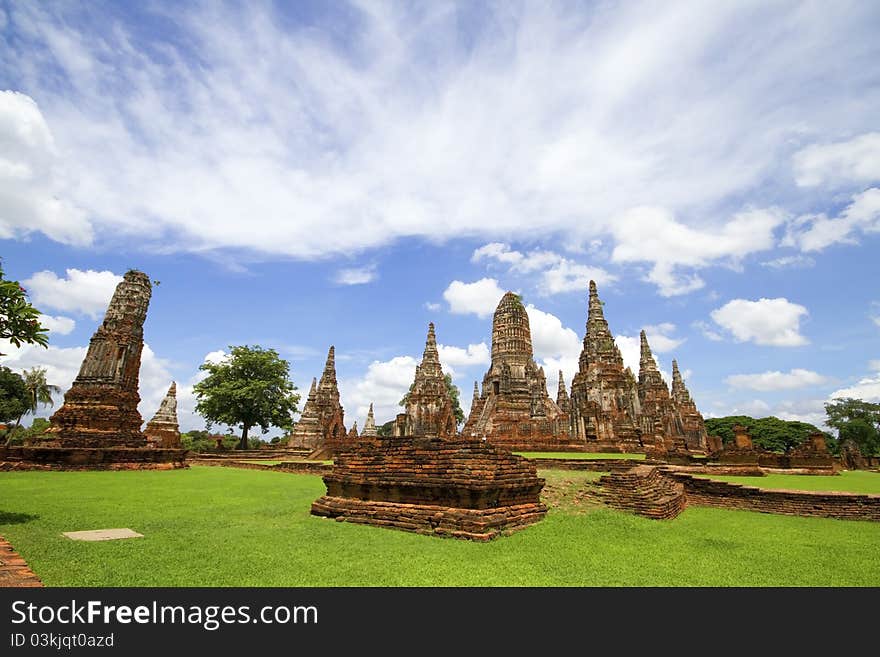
(643, 490)
(83, 458)
(461, 488)
(706, 492)
(591, 465)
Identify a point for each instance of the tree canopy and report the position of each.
(13, 395)
(39, 390)
(453, 394)
(770, 433)
(19, 320)
(857, 420)
(250, 387)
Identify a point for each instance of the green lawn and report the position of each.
(848, 481)
(579, 455)
(210, 526)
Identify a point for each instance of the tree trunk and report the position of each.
(243, 443)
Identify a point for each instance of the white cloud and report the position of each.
(479, 298)
(32, 197)
(775, 380)
(789, 261)
(556, 347)
(753, 408)
(558, 274)
(867, 389)
(433, 307)
(386, 139)
(855, 160)
(383, 385)
(811, 411)
(874, 364)
(659, 337)
(773, 322)
(631, 352)
(653, 235)
(706, 329)
(452, 357)
(356, 275)
(58, 324)
(87, 292)
(569, 276)
(817, 232)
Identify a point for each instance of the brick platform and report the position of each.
(14, 571)
(643, 490)
(465, 489)
(91, 458)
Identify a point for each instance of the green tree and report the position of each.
(13, 395)
(453, 393)
(856, 419)
(769, 433)
(19, 320)
(39, 390)
(249, 388)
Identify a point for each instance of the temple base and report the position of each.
(470, 524)
(91, 458)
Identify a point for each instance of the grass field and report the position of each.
(579, 455)
(210, 526)
(847, 481)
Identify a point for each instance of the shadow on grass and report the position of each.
(12, 518)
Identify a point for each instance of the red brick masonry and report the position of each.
(14, 572)
(465, 489)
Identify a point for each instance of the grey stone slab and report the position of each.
(103, 534)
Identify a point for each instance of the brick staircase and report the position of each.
(643, 490)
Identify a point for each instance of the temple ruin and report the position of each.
(163, 430)
(455, 488)
(692, 424)
(605, 403)
(514, 408)
(659, 420)
(322, 418)
(429, 411)
(98, 425)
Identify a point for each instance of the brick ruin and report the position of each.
(695, 436)
(429, 410)
(100, 409)
(455, 488)
(663, 492)
(163, 430)
(322, 418)
(514, 408)
(659, 420)
(610, 410)
(604, 395)
(98, 425)
(811, 457)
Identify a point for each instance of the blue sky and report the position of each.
(304, 174)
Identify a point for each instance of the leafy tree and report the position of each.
(251, 387)
(19, 320)
(386, 429)
(770, 433)
(39, 390)
(453, 393)
(856, 419)
(13, 395)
